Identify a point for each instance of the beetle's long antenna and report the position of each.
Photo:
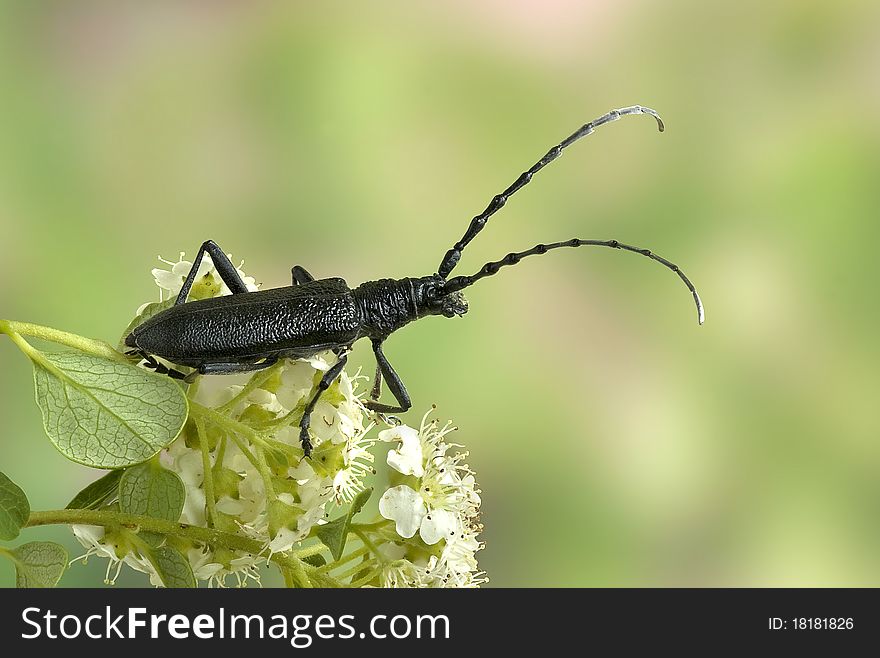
(450, 260)
(461, 282)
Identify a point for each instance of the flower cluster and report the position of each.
(437, 499)
(244, 473)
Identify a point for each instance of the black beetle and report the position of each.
(248, 331)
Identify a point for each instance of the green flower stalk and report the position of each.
(210, 482)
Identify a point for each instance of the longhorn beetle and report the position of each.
(248, 331)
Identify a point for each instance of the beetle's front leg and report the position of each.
(376, 390)
(328, 378)
(395, 385)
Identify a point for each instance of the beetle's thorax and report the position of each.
(387, 305)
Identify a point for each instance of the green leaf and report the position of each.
(173, 567)
(98, 492)
(39, 564)
(149, 311)
(14, 508)
(106, 413)
(154, 539)
(335, 533)
(150, 490)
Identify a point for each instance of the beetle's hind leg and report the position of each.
(235, 368)
(300, 275)
(157, 366)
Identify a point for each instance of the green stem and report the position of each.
(210, 536)
(363, 581)
(254, 383)
(369, 544)
(95, 347)
(228, 424)
(245, 450)
(357, 568)
(308, 551)
(236, 428)
(9, 554)
(151, 524)
(299, 574)
(220, 453)
(265, 473)
(376, 526)
(345, 559)
(232, 427)
(208, 477)
(287, 419)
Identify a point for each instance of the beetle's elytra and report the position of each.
(249, 331)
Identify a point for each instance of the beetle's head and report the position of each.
(436, 300)
(451, 304)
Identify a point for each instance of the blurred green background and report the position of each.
(616, 442)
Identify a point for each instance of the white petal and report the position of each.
(284, 540)
(182, 267)
(319, 362)
(229, 506)
(392, 552)
(438, 524)
(289, 397)
(207, 265)
(405, 507)
(302, 472)
(207, 570)
(298, 376)
(88, 535)
(168, 280)
(406, 459)
(249, 281)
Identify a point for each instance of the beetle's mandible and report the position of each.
(249, 331)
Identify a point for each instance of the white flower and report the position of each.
(406, 459)
(446, 498)
(92, 538)
(187, 463)
(443, 509)
(438, 524)
(401, 573)
(357, 464)
(405, 507)
(242, 567)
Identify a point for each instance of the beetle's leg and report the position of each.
(224, 266)
(153, 364)
(376, 391)
(395, 385)
(231, 368)
(328, 378)
(300, 275)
